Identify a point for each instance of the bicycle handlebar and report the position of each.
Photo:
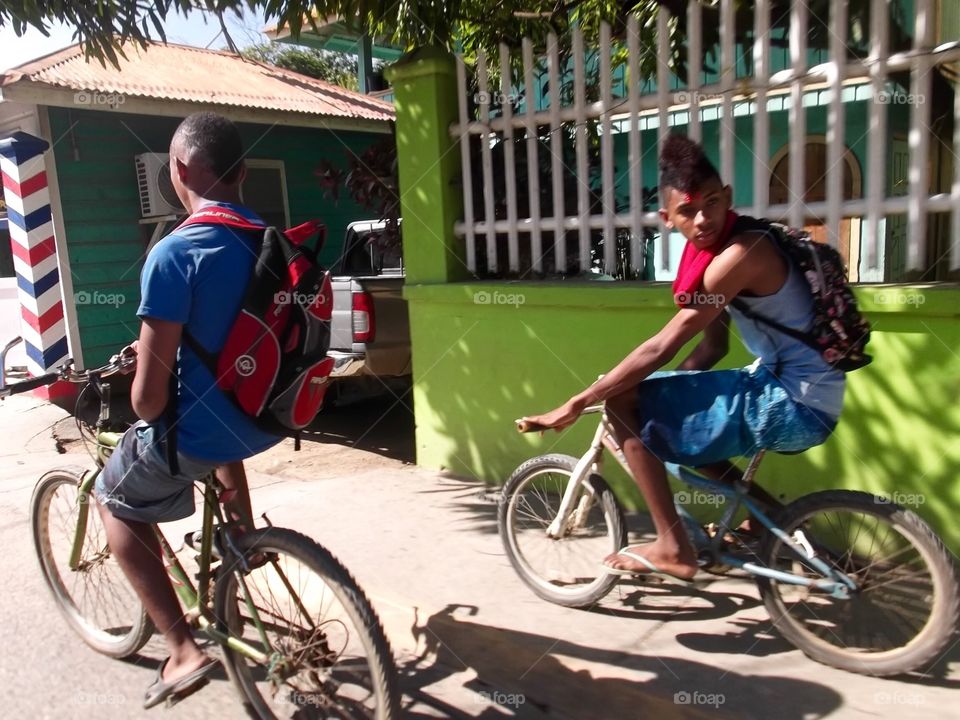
(117, 363)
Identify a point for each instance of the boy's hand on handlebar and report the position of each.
(127, 358)
(558, 419)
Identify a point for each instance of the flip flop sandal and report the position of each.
(175, 691)
(653, 570)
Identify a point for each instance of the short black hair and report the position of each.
(215, 141)
(684, 165)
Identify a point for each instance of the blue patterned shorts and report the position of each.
(698, 417)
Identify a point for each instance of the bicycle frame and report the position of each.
(835, 582)
(196, 599)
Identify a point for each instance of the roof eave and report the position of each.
(35, 93)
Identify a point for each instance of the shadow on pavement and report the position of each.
(532, 676)
(381, 425)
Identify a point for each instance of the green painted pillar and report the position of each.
(425, 96)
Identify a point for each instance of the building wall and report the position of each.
(486, 354)
(101, 208)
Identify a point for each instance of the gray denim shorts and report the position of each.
(136, 484)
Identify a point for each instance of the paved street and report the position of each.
(471, 640)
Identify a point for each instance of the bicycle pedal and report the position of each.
(193, 540)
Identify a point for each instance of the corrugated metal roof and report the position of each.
(188, 74)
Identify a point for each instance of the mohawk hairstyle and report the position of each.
(684, 165)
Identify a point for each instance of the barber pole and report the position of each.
(30, 223)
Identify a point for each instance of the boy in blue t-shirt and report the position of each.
(193, 280)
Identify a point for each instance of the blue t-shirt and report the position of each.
(197, 276)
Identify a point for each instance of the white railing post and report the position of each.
(486, 162)
(556, 156)
(761, 139)
(728, 76)
(636, 156)
(509, 158)
(920, 86)
(533, 157)
(663, 104)
(835, 121)
(580, 142)
(797, 117)
(695, 66)
(606, 155)
(877, 147)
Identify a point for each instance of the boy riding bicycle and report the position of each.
(192, 281)
(789, 399)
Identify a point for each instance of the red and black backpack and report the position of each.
(274, 363)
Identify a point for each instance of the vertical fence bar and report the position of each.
(467, 175)
(663, 98)
(636, 156)
(556, 155)
(509, 158)
(606, 155)
(580, 134)
(876, 129)
(796, 181)
(761, 72)
(728, 76)
(486, 162)
(955, 191)
(695, 66)
(533, 157)
(920, 86)
(836, 163)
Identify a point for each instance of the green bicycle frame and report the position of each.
(196, 600)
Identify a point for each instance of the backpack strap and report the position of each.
(218, 215)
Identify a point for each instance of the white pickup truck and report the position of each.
(370, 329)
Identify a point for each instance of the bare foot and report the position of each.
(677, 563)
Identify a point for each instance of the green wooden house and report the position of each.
(109, 129)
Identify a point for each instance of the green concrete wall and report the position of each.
(101, 204)
(487, 353)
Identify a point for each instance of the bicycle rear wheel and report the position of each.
(328, 654)
(96, 599)
(904, 610)
(564, 570)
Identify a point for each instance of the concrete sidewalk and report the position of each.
(472, 641)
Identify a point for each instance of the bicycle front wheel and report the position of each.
(96, 599)
(904, 609)
(327, 654)
(564, 569)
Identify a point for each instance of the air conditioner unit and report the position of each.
(157, 196)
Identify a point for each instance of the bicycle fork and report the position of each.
(588, 464)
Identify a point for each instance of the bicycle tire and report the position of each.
(560, 583)
(117, 637)
(824, 637)
(313, 653)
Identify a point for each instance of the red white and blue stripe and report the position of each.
(30, 224)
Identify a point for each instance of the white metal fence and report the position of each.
(489, 229)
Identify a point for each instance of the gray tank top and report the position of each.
(804, 374)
